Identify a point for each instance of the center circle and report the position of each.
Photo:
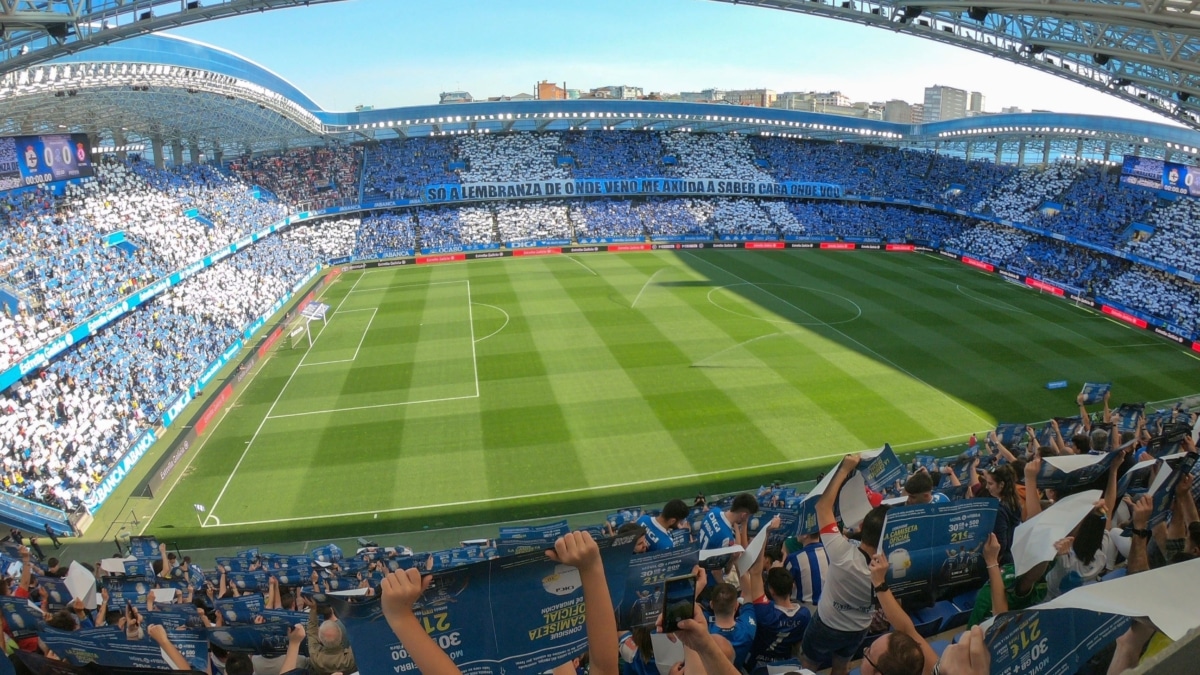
(850, 312)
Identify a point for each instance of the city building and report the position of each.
(918, 113)
(549, 91)
(976, 103)
(944, 103)
(898, 111)
(703, 96)
(762, 98)
(455, 97)
(621, 91)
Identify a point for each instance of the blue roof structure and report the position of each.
(164, 62)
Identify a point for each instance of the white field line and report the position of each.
(839, 332)
(502, 327)
(471, 321)
(274, 403)
(371, 407)
(229, 406)
(553, 493)
(374, 311)
(390, 287)
(474, 364)
(644, 286)
(581, 264)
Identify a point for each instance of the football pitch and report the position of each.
(523, 387)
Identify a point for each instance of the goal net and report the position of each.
(299, 330)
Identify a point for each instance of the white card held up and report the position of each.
(164, 596)
(716, 552)
(1034, 539)
(753, 551)
(1168, 596)
(668, 651)
(82, 584)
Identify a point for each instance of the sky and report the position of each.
(390, 53)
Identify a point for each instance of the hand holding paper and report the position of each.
(576, 549)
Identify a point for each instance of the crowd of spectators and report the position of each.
(1018, 198)
(1097, 208)
(1176, 229)
(609, 154)
(310, 178)
(399, 169)
(65, 426)
(532, 221)
(385, 234)
(57, 260)
(1156, 293)
(510, 157)
(1049, 259)
(443, 227)
(331, 238)
(1047, 531)
(726, 156)
(865, 219)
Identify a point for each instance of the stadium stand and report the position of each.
(310, 177)
(398, 169)
(282, 595)
(67, 423)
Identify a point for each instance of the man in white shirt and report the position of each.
(845, 608)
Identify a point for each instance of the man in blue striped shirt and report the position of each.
(805, 559)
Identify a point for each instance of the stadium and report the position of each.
(314, 350)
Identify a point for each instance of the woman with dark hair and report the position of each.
(1001, 483)
(1081, 557)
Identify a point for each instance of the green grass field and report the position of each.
(492, 390)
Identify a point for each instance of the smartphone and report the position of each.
(679, 601)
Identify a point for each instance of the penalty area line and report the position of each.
(571, 491)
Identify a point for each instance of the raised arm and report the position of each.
(896, 615)
(578, 550)
(26, 569)
(1084, 415)
(991, 558)
(401, 589)
(752, 580)
(159, 635)
(1033, 503)
(948, 472)
(825, 502)
(1138, 559)
(1004, 452)
(1110, 489)
(1056, 439)
(1107, 410)
(295, 639)
(165, 572)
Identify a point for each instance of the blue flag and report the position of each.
(1094, 392)
(1049, 641)
(551, 531)
(240, 609)
(881, 472)
(22, 619)
(108, 646)
(521, 614)
(933, 549)
(1083, 471)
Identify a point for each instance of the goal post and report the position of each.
(300, 329)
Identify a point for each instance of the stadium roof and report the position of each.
(164, 88)
(1143, 51)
